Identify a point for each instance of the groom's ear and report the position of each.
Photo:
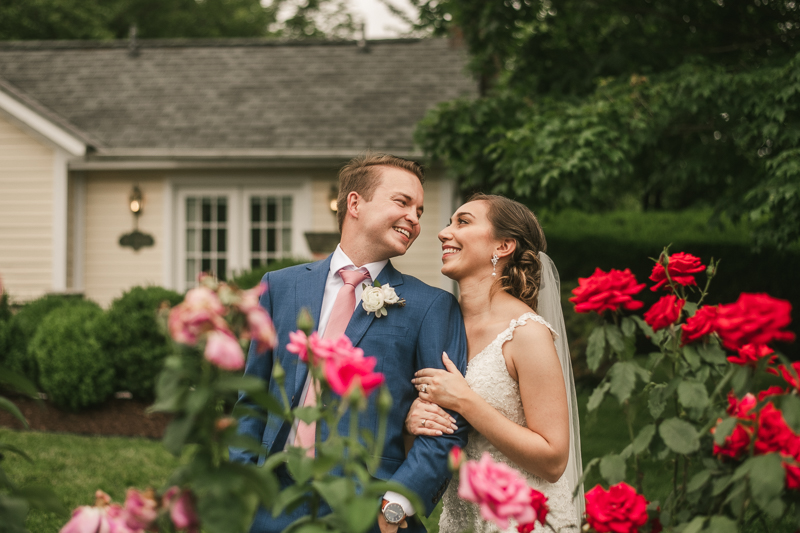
(507, 247)
(353, 203)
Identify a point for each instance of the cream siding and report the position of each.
(323, 218)
(26, 205)
(110, 269)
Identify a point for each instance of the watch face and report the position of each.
(393, 513)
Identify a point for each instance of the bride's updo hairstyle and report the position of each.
(522, 275)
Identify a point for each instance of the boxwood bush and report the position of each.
(74, 370)
(22, 327)
(250, 278)
(130, 335)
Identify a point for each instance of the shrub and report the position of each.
(250, 278)
(22, 327)
(130, 336)
(74, 370)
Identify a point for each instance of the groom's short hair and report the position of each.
(361, 174)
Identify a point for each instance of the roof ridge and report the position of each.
(30, 102)
(206, 42)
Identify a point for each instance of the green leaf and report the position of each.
(692, 357)
(14, 410)
(767, 479)
(693, 395)
(622, 377)
(360, 514)
(308, 414)
(642, 440)
(336, 491)
(614, 338)
(712, 352)
(720, 484)
(177, 432)
(657, 401)
(14, 449)
(42, 498)
(790, 405)
(594, 349)
(586, 470)
(721, 524)
(698, 481)
(724, 429)
(247, 384)
(612, 468)
(695, 525)
(17, 382)
(680, 436)
(597, 396)
(628, 327)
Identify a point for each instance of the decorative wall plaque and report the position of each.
(136, 240)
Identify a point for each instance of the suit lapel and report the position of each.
(360, 321)
(310, 289)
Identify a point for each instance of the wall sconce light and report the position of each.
(333, 198)
(136, 201)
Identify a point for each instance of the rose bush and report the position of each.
(198, 384)
(730, 435)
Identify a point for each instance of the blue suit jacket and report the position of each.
(408, 339)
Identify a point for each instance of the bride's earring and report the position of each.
(494, 264)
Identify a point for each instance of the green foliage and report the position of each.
(22, 328)
(130, 336)
(250, 278)
(74, 371)
(95, 19)
(662, 105)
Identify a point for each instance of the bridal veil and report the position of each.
(549, 307)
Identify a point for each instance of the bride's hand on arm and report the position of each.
(446, 388)
(426, 418)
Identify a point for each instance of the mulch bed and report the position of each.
(120, 417)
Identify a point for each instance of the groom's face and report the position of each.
(390, 220)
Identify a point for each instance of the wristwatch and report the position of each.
(392, 512)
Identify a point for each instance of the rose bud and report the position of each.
(455, 458)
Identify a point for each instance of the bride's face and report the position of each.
(468, 242)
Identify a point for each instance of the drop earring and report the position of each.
(494, 264)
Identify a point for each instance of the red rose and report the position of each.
(735, 444)
(772, 391)
(664, 312)
(742, 408)
(540, 507)
(773, 434)
(792, 475)
(606, 291)
(751, 354)
(790, 375)
(699, 325)
(526, 528)
(754, 319)
(618, 510)
(681, 268)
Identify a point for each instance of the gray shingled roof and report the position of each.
(239, 94)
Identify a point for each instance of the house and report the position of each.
(127, 163)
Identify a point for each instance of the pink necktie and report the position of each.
(342, 311)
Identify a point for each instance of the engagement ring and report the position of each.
(424, 387)
(424, 422)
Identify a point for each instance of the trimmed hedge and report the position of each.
(250, 278)
(74, 370)
(130, 335)
(21, 329)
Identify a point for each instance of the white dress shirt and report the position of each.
(332, 286)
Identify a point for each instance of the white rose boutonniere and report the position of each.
(377, 297)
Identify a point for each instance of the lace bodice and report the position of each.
(488, 375)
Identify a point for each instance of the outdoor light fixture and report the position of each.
(136, 201)
(333, 197)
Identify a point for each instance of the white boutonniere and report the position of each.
(377, 297)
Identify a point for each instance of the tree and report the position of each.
(598, 105)
(97, 19)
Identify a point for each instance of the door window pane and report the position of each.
(270, 229)
(206, 237)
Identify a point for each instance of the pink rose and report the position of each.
(249, 299)
(455, 458)
(141, 509)
(343, 373)
(224, 351)
(324, 349)
(199, 312)
(499, 491)
(261, 329)
(104, 517)
(298, 344)
(182, 509)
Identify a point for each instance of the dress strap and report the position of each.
(521, 321)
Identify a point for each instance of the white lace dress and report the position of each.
(488, 376)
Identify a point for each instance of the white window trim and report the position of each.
(238, 194)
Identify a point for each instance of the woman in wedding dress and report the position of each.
(518, 393)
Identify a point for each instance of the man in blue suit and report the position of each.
(379, 206)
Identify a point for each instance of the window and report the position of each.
(270, 229)
(206, 237)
